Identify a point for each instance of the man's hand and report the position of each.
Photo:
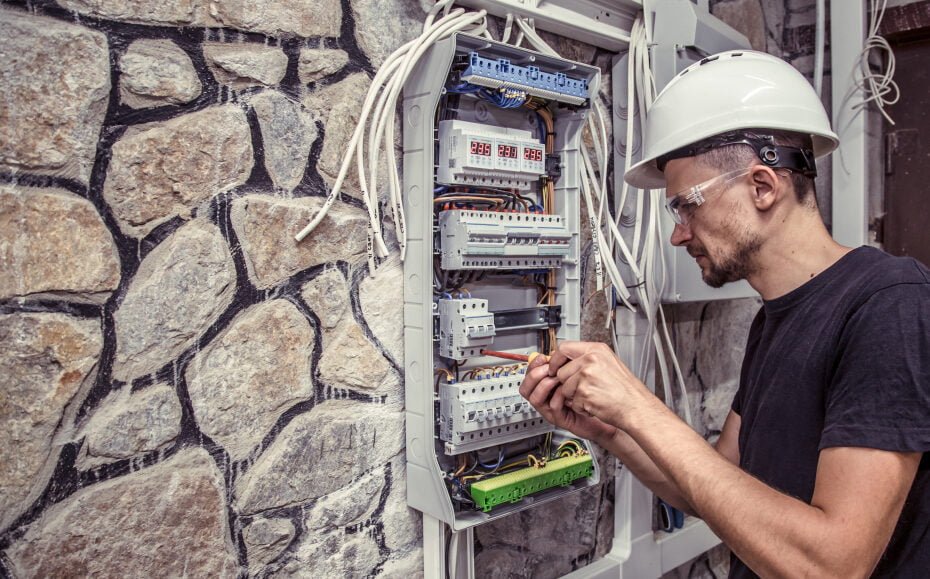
(537, 388)
(594, 382)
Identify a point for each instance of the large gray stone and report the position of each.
(382, 299)
(316, 63)
(281, 17)
(128, 424)
(349, 505)
(54, 84)
(288, 132)
(382, 26)
(320, 452)
(244, 65)
(266, 227)
(142, 11)
(408, 565)
(403, 526)
(333, 555)
(328, 296)
(167, 169)
(47, 360)
(250, 374)
(745, 16)
(350, 361)
(340, 107)
(169, 519)
(556, 535)
(54, 241)
(181, 288)
(265, 539)
(155, 73)
(710, 340)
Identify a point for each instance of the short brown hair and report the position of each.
(733, 157)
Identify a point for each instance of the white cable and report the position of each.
(878, 87)
(393, 93)
(403, 59)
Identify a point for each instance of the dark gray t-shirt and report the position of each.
(843, 360)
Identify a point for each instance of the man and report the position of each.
(820, 470)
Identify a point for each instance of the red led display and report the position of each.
(507, 151)
(531, 154)
(481, 148)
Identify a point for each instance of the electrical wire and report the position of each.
(380, 104)
(878, 87)
(644, 255)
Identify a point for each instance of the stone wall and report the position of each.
(185, 390)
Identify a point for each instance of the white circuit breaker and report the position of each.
(465, 327)
(503, 240)
(487, 411)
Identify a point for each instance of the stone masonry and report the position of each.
(184, 390)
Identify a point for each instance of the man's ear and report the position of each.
(766, 187)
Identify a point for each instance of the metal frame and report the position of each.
(602, 23)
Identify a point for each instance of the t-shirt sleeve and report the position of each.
(879, 396)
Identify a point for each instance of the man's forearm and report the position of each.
(644, 469)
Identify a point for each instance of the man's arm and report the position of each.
(858, 494)
(624, 447)
(538, 388)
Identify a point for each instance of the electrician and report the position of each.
(821, 468)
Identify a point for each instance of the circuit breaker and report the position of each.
(492, 137)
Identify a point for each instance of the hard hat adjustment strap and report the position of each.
(800, 160)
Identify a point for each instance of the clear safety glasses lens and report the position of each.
(683, 204)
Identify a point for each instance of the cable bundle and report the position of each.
(877, 85)
(379, 107)
(644, 256)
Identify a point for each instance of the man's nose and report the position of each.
(681, 234)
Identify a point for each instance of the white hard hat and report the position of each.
(727, 92)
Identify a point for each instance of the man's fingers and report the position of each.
(558, 399)
(541, 393)
(532, 378)
(566, 352)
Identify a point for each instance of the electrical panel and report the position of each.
(492, 137)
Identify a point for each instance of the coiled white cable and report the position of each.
(878, 87)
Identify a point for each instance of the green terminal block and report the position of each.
(513, 486)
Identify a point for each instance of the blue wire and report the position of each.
(500, 461)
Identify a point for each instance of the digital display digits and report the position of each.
(507, 151)
(481, 148)
(531, 154)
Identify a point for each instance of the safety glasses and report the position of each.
(682, 205)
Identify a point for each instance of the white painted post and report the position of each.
(850, 177)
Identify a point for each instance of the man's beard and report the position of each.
(734, 267)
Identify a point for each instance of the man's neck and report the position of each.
(795, 255)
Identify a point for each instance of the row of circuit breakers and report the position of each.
(503, 261)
